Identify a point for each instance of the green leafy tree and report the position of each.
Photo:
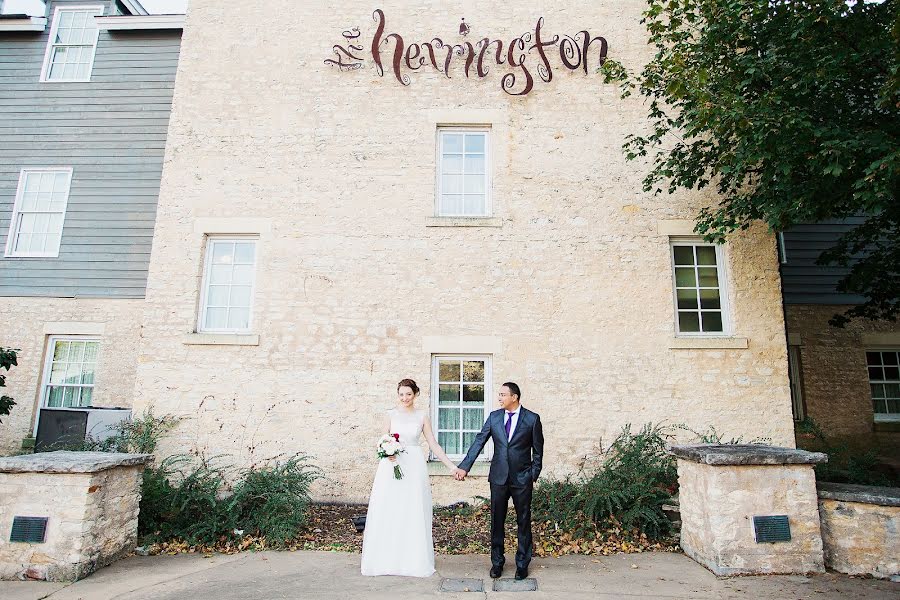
(790, 109)
(7, 360)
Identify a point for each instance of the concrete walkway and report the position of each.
(327, 575)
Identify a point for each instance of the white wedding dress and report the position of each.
(397, 538)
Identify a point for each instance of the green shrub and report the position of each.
(712, 436)
(180, 499)
(636, 478)
(140, 434)
(7, 361)
(272, 501)
(848, 462)
(189, 501)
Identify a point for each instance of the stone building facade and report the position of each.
(325, 229)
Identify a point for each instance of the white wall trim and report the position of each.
(74, 328)
(131, 22)
(675, 227)
(232, 225)
(24, 24)
(461, 344)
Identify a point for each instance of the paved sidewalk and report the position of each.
(327, 575)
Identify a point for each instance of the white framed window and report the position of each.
(463, 173)
(35, 229)
(68, 380)
(460, 391)
(229, 278)
(884, 382)
(72, 44)
(700, 299)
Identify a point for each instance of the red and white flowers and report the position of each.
(389, 445)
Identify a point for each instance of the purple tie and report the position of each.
(509, 417)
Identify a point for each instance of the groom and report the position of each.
(518, 450)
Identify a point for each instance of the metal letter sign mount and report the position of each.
(520, 55)
(771, 529)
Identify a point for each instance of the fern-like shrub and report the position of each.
(628, 490)
(190, 501)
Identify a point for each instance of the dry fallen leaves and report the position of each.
(456, 530)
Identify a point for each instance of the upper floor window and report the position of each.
(38, 213)
(884, 381)
(699, 297)
(228, 282)
(72, 44)
(464, 179)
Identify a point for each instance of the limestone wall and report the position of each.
(861, 537)
(27, 324)
(568, 287)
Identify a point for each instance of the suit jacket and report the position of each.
(517, 461)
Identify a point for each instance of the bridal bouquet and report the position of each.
(389, 445)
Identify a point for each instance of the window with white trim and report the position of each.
(72, 44)
(228, 284)
(38, 213)
(460, 386)
(700, 302)
(69, 372)
(464, 178)
(884, 382)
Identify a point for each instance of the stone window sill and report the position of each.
(723, 343)
(220, 339)
(479, 469)
(463, 222)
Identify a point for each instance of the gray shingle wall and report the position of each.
(112, 133)
(803, 281)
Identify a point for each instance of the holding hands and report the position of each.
(459, 474)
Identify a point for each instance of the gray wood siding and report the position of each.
(803, 281)
(112, 132)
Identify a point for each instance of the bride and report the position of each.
(397, 538)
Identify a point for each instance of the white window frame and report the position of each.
(17, 210)
(48, 52)
(488, 170)
(44, 390)
(488, 451)
(722, 273)
(880, 417)
(207, 265)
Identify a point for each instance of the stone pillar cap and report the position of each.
(746, 454)
(70, 462)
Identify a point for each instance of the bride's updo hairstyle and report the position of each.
(410, 384)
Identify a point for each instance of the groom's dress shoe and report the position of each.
(521, 573)
(496, 572)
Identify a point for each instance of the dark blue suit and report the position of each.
(514, 469)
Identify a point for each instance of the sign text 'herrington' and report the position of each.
(521, 56)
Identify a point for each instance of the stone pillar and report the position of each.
(90, 501)
(723, 487)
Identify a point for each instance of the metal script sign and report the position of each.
(521, 56)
